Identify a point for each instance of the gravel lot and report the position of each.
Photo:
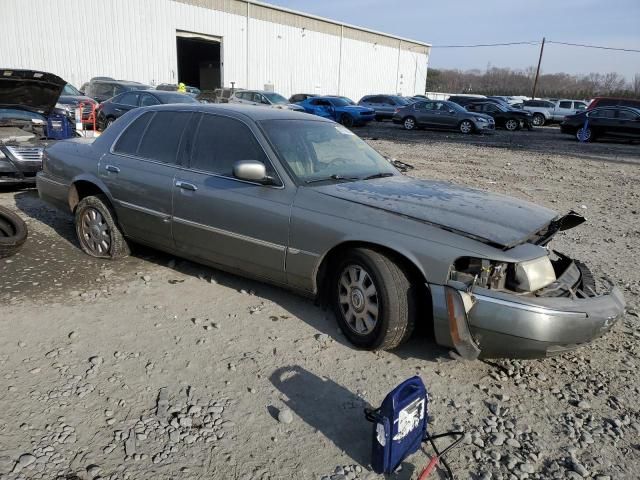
(158, 368)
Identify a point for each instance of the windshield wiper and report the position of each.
(379, 175)
(335, 176)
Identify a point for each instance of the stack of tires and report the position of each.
(13, 233)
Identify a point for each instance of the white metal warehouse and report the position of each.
(207, 43)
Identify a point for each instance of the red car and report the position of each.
(613, 102)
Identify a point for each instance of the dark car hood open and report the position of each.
(489, 217)
(29, 89)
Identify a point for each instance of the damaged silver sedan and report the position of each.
(302, 202)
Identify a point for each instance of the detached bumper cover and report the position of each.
(505, 325)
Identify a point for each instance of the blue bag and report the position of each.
(400, 425)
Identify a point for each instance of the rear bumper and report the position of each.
(505, 325)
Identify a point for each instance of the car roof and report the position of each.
(255, 113)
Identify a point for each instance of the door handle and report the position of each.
(111, 168)
(186, 186)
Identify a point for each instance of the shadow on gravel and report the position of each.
(30, 204)
(333, 410)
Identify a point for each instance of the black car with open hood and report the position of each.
(27, 98)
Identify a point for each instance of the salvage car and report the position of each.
(442, 114)
(300, 201)
(110, 110)
(70, 99)
(505, 117)
(262, 98)
(338, 110)
(614, 122)
(27, 98)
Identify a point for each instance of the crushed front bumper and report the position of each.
(490, 323)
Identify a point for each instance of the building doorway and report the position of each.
(199, 60)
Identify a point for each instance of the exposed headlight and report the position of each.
(482, 119)
(64, 106)
(534, 274)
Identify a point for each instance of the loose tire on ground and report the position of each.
(98, 233)
(388, 289)
(13, 233)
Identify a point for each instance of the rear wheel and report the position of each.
(538, 119)
(512, 124)
(98, 233)
(373, 299)
(409, 123)
(466, 126)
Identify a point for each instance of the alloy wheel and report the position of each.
(538, 120)
(466, 126)
(94, 232)
(583, 135)
(511, 124)
(358, 299)
(409, 123)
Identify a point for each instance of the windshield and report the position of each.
(13, 114)
(339, 102)
(275, 98)
(316, 150)
(455, 106)
(71, 90)
(177, 98)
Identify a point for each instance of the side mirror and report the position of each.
(252, 171)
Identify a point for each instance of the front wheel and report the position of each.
(346, 120)
(538, 119)
(98, 233)
(466, 126)
(512, 125)
(585, 135)
(409, 123)
(373, 299)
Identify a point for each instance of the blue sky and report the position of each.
(614, 23)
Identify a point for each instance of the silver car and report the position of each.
(302, 202)
(263, 98)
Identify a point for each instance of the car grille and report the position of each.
(26, 154)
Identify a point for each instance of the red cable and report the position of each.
(429, 468)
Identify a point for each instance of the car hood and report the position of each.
(29, 89)
(354, 109)
(489, 217)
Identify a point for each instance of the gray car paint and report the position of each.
(283, 233)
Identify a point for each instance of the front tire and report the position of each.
(409, 123)
(512, 125)
(98, 233)
(585, 135)
(466, 126)
(538, 119)
(346, 121)
(373, 299)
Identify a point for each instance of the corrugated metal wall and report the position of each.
(136, 40)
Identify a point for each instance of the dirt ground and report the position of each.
(158, 368)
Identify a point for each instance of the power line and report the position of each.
(583, 45)
(595, 46)
(486, 45)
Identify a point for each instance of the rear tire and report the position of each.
(98, 232)
(538, 119)
(13, 233)
(373, 299)
(409, 123)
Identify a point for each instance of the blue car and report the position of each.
(339, 110)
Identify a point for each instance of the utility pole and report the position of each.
(535, 81)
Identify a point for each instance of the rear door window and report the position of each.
(128, 99)
(162, 138)
(564, 105)
(148, 100)
(130, 138)
(220, 142)
(626, 115)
